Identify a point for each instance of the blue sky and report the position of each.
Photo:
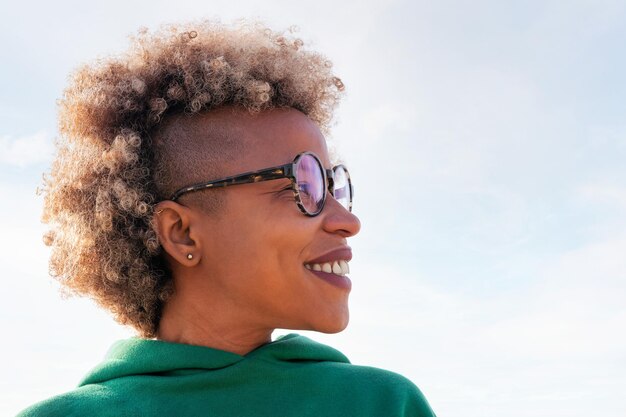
(486, 140)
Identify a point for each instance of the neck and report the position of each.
(207, 323)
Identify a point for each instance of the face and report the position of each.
(259, 253)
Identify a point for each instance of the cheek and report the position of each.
(282, 247)
(261, 245)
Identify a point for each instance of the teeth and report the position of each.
(340, 267)
(345, 269)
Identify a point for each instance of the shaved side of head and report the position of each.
(195, 148)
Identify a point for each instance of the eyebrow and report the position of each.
(276, 185)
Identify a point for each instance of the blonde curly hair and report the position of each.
(101, 190)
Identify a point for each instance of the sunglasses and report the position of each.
(309, 182)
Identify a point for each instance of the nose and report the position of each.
(337, 219)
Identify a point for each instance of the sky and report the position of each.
(486, 141)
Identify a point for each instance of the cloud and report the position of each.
(26, 151)
(604, 193)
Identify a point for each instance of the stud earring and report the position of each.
(189, 256)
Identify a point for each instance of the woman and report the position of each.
(193, 196)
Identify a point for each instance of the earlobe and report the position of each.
(173, 224)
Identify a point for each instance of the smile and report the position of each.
(339, 267)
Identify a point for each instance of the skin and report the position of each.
(247, 274)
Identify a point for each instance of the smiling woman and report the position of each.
(193, 196)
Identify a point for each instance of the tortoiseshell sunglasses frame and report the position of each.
(274, 173)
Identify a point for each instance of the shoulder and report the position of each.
(385, 387)
(373, 377)
(384, 380)
(83, 401)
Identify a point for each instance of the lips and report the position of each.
(344, 253)
(332, 267)
(333, 262)
(340, 281)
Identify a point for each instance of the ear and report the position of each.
(178, 232)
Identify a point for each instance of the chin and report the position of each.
(337, 325)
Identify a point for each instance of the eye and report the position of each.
(305, 189)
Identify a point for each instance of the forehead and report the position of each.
(269, 138)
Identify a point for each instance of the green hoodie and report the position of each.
(292, 376)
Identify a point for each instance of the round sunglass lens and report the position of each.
(310, 181)
(341, 189)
